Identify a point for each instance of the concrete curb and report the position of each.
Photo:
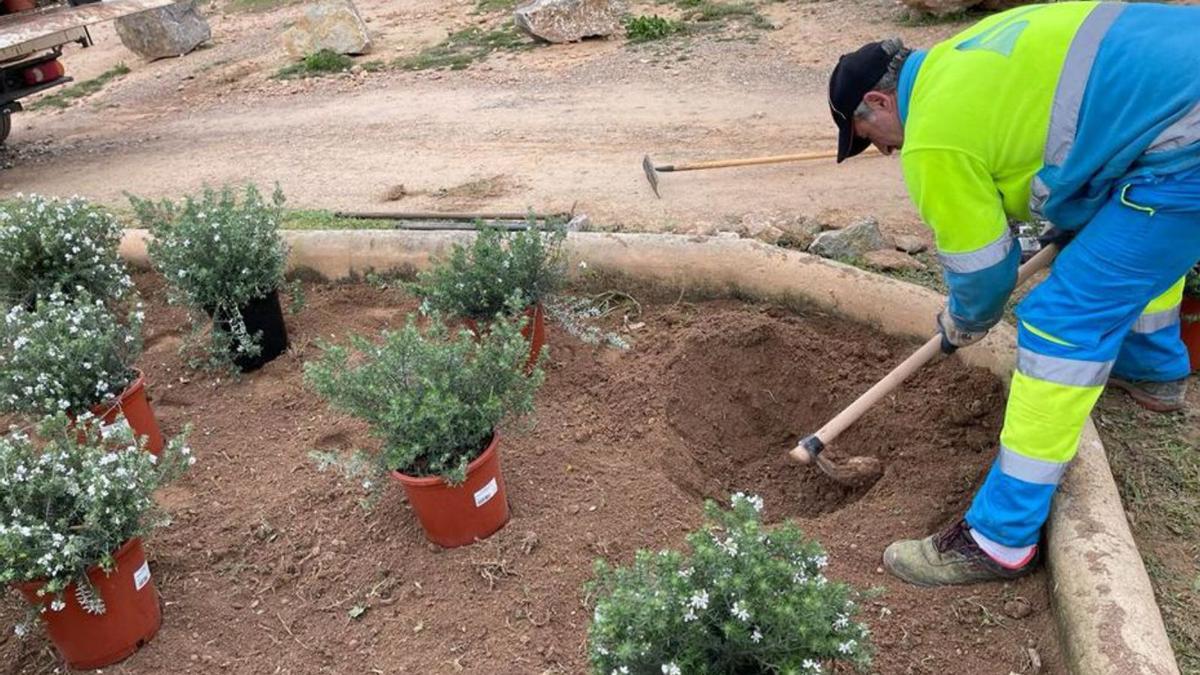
(1109, 621)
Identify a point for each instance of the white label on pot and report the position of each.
(484, 494)
(142, 576)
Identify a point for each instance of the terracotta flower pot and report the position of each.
(133, 405)
(534, 330)
(261, 314)
(456, 515)
(131, 618)
(1189, 314)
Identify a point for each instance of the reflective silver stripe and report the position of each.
(1069, 372)
(1072, 81)
(979, 259)
(1156, 321)
(1038, 194)
(1030, 470)
(1184, 132)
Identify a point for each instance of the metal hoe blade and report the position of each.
(651, 175)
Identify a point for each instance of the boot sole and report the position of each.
(1141, 398)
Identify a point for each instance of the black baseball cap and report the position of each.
(856, 73)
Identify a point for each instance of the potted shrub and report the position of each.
(1190, 316)
(59, 245)
(434, 399)
(747, 600)
(76, 503)
(224, 256)
(478, 281)
(74, 356)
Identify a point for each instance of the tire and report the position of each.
(5, 126)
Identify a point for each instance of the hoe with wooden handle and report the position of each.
(866, 470)
(652, 171)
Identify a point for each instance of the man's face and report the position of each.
(882, 126)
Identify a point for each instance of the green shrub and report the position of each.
(217, 254)
(52, 245)
(647, 28)
(477, 281)
(66, 355)
(431, 395)
(322, 62)
(74, 498)
(747, 600)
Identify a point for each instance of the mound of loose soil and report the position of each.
(267, 557)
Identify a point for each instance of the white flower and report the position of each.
(756, 636)
(623, 670)
(847, 646)
(842, 622)
(754, 500)
(811, 666)
(689, 615)
(729, 546)
(739, 610)
(21, 629)
(582, 265)
(671, 669)
(699, 600)
(57, 605)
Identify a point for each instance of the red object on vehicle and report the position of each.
(131, 618)
(47, 71)
(457, 515)
(133, 404)
(1189, 314)
(18, 6)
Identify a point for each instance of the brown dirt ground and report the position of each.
(560, 125)
(267, 555)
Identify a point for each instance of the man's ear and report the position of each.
(877, 100)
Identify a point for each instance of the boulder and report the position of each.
(775, 227)
(164, 32)
(334, 25)
(940, 8)
(911, 244)
(850, 242)
(569, 20)
(891, 261)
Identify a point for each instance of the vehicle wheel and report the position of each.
(5, 125)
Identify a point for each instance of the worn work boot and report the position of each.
(1162, 397)
(947, 558)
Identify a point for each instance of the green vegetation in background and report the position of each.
(319, 63)
(465, 47)
(318, 219)
(256, 5)
(76, 91)
(488, 6)
(647, 28)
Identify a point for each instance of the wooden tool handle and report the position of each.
(812, 446)
(720, 163)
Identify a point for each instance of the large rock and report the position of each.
(892, 261)
(850, 242)
(782, 229)
(940, 8)
(159, 33)
(334, 25)
(911, 244)
(570, 20)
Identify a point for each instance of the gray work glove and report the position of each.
(954, 337)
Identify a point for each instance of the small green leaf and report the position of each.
(357, 611)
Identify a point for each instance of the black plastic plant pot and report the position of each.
(261, 314)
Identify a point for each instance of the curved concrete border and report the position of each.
(1109, 622)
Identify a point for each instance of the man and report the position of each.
(1086, 115)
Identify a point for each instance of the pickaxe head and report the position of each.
(651, 174)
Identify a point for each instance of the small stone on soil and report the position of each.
(1017, 608)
